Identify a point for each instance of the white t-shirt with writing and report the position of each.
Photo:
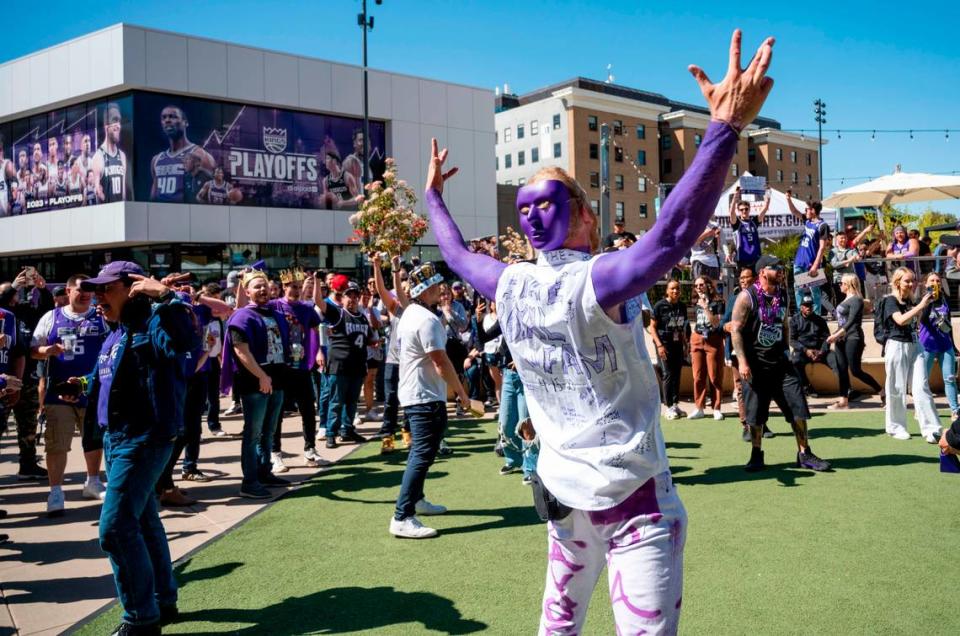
(589, 384)
(419, 333)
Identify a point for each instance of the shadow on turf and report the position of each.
(787, 474)
(343, 610)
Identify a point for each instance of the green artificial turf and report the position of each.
(868, 549)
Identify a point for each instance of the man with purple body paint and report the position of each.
(591, 389)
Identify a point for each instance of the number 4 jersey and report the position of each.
(348, 343)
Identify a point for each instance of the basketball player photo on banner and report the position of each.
(201, 151)
(66, 158)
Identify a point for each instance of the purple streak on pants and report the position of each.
(559, 610)
(643, 501)
(619, 276)
(480, 270)
(617, 595)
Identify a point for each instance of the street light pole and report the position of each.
(604, 180)
(366, 23)
(820, 110)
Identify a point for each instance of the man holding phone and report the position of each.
(69, 339)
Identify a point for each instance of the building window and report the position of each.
(779, 154)
(751, 154)
(666, 142)
(809, 159)
(736, 149)
(618, 182)
(519, 131)
(735, 170)
(617, 127)
(641, 157)
(697, 139)
(556, 148)
(595, 205)
(507, 135)
(594, 151)
(534, 155)
(496, 137)
(793, 156)
(618, 154)
(809, 180)
(779, 176)
(642, 184)
(794, 178)
(594, 179)
(619, 209)
(643, 210)
(534, 127)
(507, 161)
(556, 122)
(521, 181)
(497, 161)
(667, 166)
(521, 158)
(641, 131)
(509, 182)
(592, 122)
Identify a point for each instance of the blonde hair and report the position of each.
(578, 198)
(853, 285)
(895, 281)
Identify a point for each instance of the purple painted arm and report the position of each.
(619, 276)
(480, 270)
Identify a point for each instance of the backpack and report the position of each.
(879, 322)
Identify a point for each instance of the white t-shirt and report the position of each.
(491, 346)
(419, 333)
(213, 328)
(588, 381)
(393, 351)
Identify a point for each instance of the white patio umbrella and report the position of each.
(899, 187)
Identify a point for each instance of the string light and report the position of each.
(873, 136)
(911, 133)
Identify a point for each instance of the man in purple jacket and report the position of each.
(603, 479)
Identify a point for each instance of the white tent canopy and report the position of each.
(899, 187)
(778, 222)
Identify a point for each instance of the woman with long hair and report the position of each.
(936, 338)
(848, 342)
(706, 349)
(903, 361)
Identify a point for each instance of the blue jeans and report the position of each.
(391, 384)
(427, 425)
(513, 410)
(323, 384)
(345, 394)
(260, 412)
(948, 368)
(800, 293)
(130, 529)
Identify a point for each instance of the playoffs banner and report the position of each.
(200, 151)
(67, 158)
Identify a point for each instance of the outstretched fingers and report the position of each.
(764, 56)
(443, 155)
(734, 67)
(433, 148)
(702, 80)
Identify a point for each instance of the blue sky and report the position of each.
(876, 65)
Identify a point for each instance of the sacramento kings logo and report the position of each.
(275, 139)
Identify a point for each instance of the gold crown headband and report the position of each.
(249, 276)
(288, 276)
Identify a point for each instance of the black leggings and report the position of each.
(672, 368)
(848, 354)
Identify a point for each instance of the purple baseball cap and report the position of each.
(117, 270)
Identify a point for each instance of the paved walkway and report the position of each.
(53, 572)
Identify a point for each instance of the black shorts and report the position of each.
(372, 363)
(780, 384)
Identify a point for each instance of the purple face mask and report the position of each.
(544, 209)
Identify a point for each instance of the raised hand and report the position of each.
(147, 286)
(436, 177)
(738, 98)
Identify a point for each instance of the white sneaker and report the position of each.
(219, 433)
(697, 414)
(94, 490)
(276, 459)
(312, 459)
(425, 508)
(411, 528)
(717, 415)
(932, 438)
(357, 421)
(901, 434)
(672, 413)
(55, 503)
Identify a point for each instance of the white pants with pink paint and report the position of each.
(641, 543)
